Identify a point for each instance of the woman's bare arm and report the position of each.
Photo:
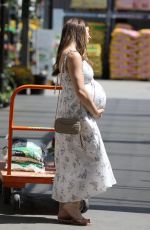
(74, 67)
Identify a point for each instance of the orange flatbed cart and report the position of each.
(11, 179)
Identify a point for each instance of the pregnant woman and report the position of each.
(83, 169)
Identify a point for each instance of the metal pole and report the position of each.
(107, 39)
(48, 14)
(2, 31)
(24, 34)
(51, 14)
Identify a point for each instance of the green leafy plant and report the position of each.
(21, 75)
(7, 90)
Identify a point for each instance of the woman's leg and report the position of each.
(71, 211)
(62, 214)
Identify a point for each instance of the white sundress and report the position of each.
(81, 173)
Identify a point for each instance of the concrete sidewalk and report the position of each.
(134, 158)
(126, 89)
(122, 89)
(114, 220)
(101, 220)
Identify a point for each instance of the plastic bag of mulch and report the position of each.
(26, 156)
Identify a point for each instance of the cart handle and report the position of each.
(11, 118)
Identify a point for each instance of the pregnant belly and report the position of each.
(97, 93)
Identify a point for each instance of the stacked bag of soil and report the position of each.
(129, 53)
(143, 59)
(26, 156)
(123, 54)
(132, 4)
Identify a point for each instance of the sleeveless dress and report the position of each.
(80, 172)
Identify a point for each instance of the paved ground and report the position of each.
(103, 220)
(125, 89)
(125, 129)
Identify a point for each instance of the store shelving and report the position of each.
(111, 16)
(85, 15)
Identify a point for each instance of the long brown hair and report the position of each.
(74, 30)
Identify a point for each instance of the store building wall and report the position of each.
(61, 4)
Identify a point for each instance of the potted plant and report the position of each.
(8, 85)
(21, 75)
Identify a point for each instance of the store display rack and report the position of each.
(110, 16)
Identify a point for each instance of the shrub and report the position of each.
(21, 75)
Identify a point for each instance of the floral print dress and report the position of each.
(82, 171)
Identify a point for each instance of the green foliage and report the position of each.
(5, 97)
(8, 87)
(21, 75)
(11, 2)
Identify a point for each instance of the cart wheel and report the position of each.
(6, 194)
(16, 201)
(84, 205)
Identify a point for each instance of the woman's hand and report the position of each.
(99, 113)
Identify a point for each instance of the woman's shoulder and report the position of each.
(73, 55)
(74, 59)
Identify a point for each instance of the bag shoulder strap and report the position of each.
(61, 72)
(63, 66)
